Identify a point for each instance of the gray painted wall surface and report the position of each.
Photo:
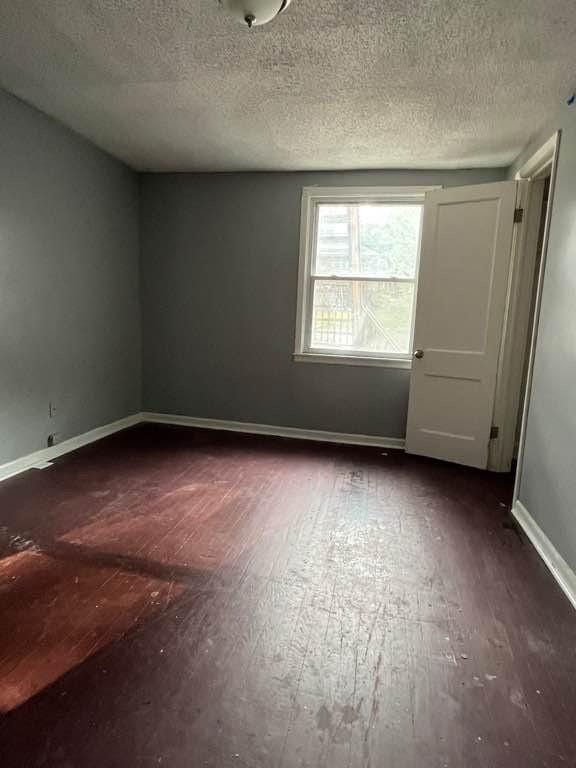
(69, 292)
(219, 285)
(548, 482)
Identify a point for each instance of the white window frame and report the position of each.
(312, 197)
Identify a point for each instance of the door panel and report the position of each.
(462, 287)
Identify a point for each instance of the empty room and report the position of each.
(288, 384)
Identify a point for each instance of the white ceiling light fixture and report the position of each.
(255, 12)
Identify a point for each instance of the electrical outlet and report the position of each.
(54, 439)
(51, 409)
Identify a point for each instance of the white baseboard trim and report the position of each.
(557, 566)
(40, 459)
(267, 429)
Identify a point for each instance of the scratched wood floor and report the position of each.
(189, 598)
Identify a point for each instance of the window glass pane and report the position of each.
(333, 256)
(380, 240)
(362, 317)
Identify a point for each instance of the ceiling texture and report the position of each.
(330, 84)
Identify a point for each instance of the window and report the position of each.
(358, 273)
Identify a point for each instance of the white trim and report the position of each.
(519, 325)
(537, 163)
(515, 332)
(398, 194)
(307, 235)
(362, 360)
(40, 459)
(537, 302)
(558, 567)
(318, 435)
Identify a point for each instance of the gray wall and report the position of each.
(219, 284)
(69, 293)
(548, 482)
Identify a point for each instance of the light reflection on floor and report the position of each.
(56, 613)
(63, 600)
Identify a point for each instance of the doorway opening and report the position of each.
(542, 188)
(535, 180)
(540, 173)
(520, 326)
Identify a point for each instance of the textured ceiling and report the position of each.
(177, 85)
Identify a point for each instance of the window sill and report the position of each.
(333, 359)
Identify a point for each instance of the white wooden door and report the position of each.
(461, 301)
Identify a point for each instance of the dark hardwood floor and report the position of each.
(181, 598)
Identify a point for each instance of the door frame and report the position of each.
(537, 166)
(516, 328)
(518, 336)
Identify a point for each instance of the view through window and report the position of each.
(363, 278)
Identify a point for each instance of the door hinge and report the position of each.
(518, 215)
(494, 432)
